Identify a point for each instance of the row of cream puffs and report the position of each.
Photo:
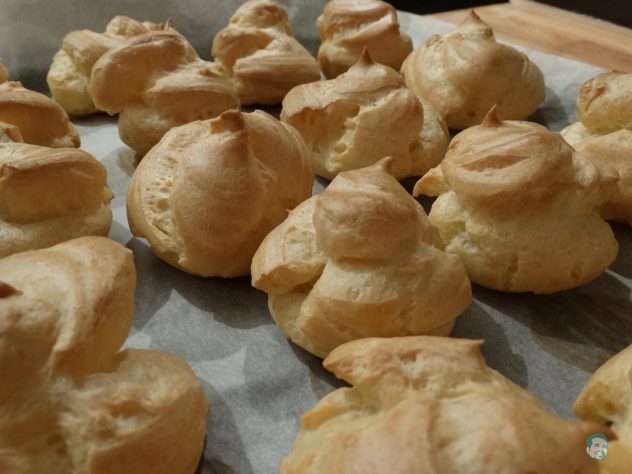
(72, 401)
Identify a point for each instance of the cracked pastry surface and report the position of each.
(607, 399)
(517, 203)
(41, 120)
(466, 72)
(346, 27)
(71, 401)
(604, 134)
(362, 116)
(430, 405)
(210, 191)
(69, 75)
(49, 195)
(156, 81)
(359, 260)
(261, 55)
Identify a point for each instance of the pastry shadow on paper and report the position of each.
(476, 323)
(583, 327)
(551, 112)
(623, 264)
(195, 308)
(224, 450)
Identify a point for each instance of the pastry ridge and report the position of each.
(69, 75)
(604, 134)
(430, 405)
(241, 170)
(517, 203)
(261, 55)
(41, 120)
(346, 27)
(71, 402)
(359, 260)
(607, 399)
(361, 116)
(156, 81)
(465, 72)
(49, 195)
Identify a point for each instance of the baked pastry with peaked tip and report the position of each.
(346, 27)
(607, 399)
(466, 72)
(69, 75)
(604, 134)
(363, 115)
(49, 195)
(40, 119)
(430, 405)
(261, 55)
(4, 73)
(156, 81)
(71, 402)
(518, 204)
(210, 191)
(359, 260)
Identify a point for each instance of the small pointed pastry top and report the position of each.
(491, 119)
(386, 164)
(365, 59)
(229, 121)
(473, 22)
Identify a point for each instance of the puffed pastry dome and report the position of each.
(607, 399)
(41, 120)
(359, 260)
(466, 72)
(517, 203)
(363, 115)
(69, 75)
(346, 27)
(430, 405)
(210, 191)
(604, 134)
(70, 401)
(48, 195)
(4, 74)
(261, 55)
(156, 81)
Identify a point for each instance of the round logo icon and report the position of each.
(597, 446)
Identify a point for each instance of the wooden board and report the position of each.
(556, 31)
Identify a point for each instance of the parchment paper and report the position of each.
(259, 384)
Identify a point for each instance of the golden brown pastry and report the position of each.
(604, 135)
(466, 72)
(9, 133)
(260, 53)
(607, 399)
(517, 203)
(70, 401)
(363, 115)
(69, 74)
(4, 74)
(430, 405)
(210, 191)
(41, 120)
(156, 81)
(359, 260)
(49, 195)
(604, 103)
(346, 27)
